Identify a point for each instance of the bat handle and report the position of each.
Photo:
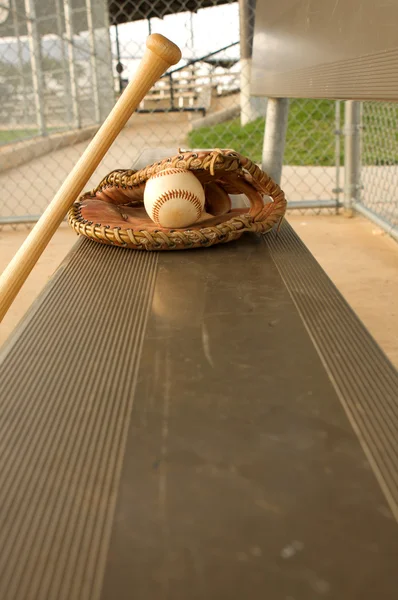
(160, 54)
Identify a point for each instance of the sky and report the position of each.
(213, 28)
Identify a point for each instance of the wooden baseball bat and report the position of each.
(160, 54)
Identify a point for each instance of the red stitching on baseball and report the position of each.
(169, 171)
(183, 194)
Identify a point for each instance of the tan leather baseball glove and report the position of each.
(114, 213)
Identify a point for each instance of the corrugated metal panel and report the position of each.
(67, 389)
(322, 49)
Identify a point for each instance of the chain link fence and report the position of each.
(378, 193)
(63, 64)
(55, 67)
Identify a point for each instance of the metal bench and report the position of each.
(204, 424)
(211, 424)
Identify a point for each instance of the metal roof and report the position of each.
(120, 11)
(132, 10)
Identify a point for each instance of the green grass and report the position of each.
(14, 135)
(8, 136)
(310, 136)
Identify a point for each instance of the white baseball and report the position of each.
(174, 198)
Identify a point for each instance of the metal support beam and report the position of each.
(65, 71)
(251, 107)
(19, 220)
(107, 82)
(37, 73)
(119, 66)
(337, 151)
(352, 155)
(20, 61)
(315, 204)
(93, 61)
(71, 63)
(171, 92)
(275, 137)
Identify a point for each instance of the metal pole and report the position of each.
(37, 74)
(191, 71)
(93, 61)
(71, 63)
(275, 137)
(171, 92)
(18, 220)
(250, 107)
(337, 152)
(246, 45)
(20, 61)
(67, 92)
(192, 40)
(314, 204)
(119, 66)
(352, 156)
(109, 58)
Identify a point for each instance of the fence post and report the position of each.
(71, 62)
(171, 92)
(106, 108)
(337, 153)
(250, 107)
(20, 62)
(66, 82)
(37, 73)
(93, 61)
(352, 155)
(275, 137)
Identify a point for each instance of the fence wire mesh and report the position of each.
(379, 172)
(63, 64)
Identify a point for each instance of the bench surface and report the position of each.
(212, 423)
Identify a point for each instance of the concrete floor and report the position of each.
(55, 252)
(360, 259)
(28, 189)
